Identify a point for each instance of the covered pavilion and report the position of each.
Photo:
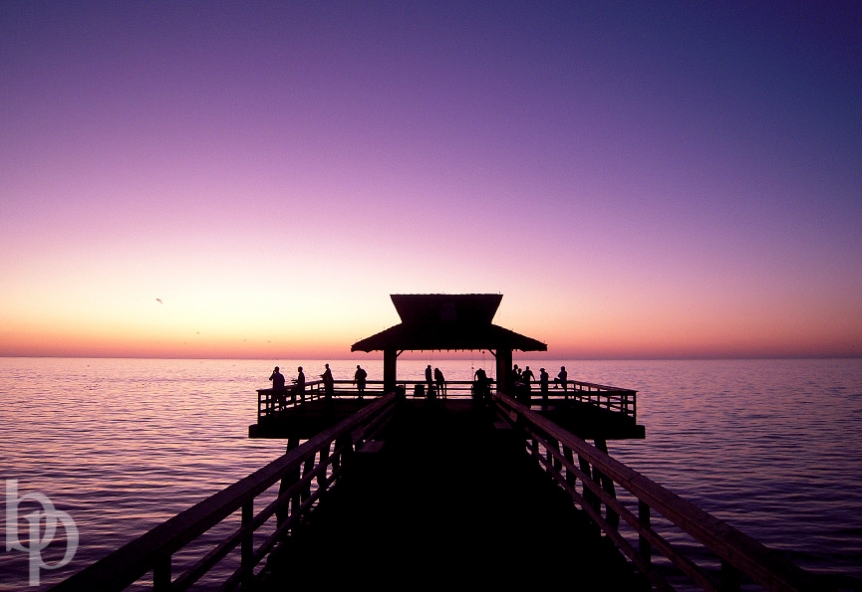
(447, 322)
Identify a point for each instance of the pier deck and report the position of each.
(448, 496)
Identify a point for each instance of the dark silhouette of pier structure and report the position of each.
(404, 488)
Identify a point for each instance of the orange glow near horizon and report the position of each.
(162, 334)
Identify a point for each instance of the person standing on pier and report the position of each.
(277, 379)
(299, 386)
(441, 382)
(563, 377)
(543, 384)
(527, 377)
(360, 377)
(481, 392)
(328, 383)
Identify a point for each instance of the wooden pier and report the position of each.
(444, 495)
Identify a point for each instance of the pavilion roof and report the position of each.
(447, 322)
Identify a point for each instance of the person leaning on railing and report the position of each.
(563, 377)
(481, 386)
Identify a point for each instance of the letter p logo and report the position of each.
(35, 538)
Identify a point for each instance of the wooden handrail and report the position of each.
(611, 398)
(153, 550)
(736, 550)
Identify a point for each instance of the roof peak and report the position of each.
(446, 308)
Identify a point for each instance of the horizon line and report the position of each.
(530, 357)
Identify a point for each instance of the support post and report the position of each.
(504, 367)
(390, 359)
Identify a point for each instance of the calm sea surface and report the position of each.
(773, 447)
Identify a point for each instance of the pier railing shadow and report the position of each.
(590, 476)
(304, 473)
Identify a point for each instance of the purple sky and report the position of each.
(637, 179)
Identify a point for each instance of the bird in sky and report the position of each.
(159, 300)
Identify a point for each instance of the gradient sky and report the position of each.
(644, 179)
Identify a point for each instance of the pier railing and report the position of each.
(304, 474)
(611, 398)
(591, 477)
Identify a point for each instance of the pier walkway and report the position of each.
(446, 495)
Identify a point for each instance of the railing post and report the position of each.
(162, 574)
(554, 460)
(247, 544)
(571, 480)
(608, 485)
(286, 482)
(345, 456)
(644, 546)
(322, 479)
(307, 467)
(589, 497)
(534, 448)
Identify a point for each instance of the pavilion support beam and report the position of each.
(390, 359)
(504, 369)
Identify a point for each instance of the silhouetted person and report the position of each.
(429, 379)
(440, 381)
(480, 385)
(563, 377)
(527, 377)
(277, 379)
(328, 383)
(543, 383)
(299, 385)
(360, 377)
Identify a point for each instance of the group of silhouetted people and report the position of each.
(520, 380)
(435, 382)
(298, 389)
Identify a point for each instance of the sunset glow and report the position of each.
(254, 180)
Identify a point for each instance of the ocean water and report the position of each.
(774, 447)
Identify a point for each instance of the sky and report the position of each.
(225, 179)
